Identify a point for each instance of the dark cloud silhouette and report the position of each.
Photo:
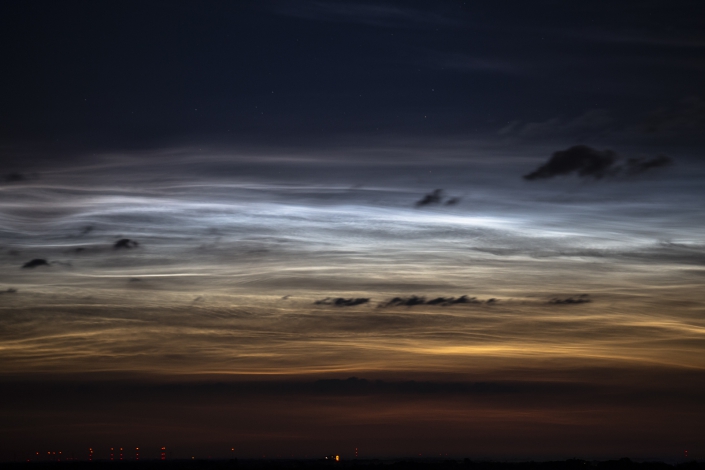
(87, 230)
(587, 162)
(635, 166)
(125, 243)
(452, 201)
(438, 301)
(433, 197)
(342, 302)
(581, 299)
(9, 290)
(444, 301)
(404, 301)
(492, 301)
(35, 262)
(436, 197)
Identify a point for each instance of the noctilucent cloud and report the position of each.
(287, 228)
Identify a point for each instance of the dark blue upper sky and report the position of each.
(132, 74)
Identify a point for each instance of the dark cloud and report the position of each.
(436, 197)
(125, 243)
(444, 301)
(452, 201)
(581, 159)
(404, 301)
(433, 197)
(588, 162)
(9, 290)
(342, 302)
(581, 299)
(439, 301)
(35, 262)
(87, 230)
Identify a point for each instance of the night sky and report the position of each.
(298, 228)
